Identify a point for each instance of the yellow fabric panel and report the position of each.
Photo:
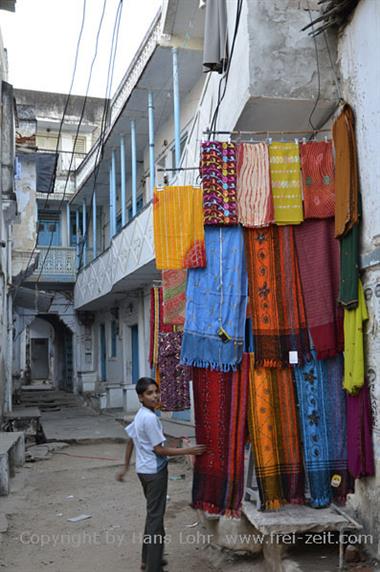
(354, 345)
(285, 172)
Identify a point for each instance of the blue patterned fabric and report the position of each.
(322, 408)
(216, 297)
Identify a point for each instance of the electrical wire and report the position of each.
(318, 71)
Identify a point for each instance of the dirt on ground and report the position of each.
(80, 480)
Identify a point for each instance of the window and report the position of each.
(114, 333)
(49, 228)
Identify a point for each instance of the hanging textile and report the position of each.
(318, 178)
(215, 44)
(156, 324)
(346, 172)
(178, 228)
(254, 195)
(220, 407)
(361, 461)
(354, 345)
(174, 296)
(276, 302)
(216, 303)
(349, 265)
(218, 172)
(318, 260)
(286, 182)
(174, 378)
(322, 409)
(272, 419)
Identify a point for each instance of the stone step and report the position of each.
(12, 454)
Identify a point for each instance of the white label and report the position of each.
(293, 357)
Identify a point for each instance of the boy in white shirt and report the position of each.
(147, 437)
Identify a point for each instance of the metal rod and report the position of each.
(306, 131)
(134, 168)
(68, 228)
(84, 228)
(177, 108)
(123, 182)
(94, 249)
(151, 144)
(77, 236)
(114, 196)
(111, 206)
(179, 169)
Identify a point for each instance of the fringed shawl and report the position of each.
(286, 182)
(318, 260)
(178, 228)
(220, 407)
(174, 296)
(174, 378)
(273, 426)
(216, 301)
(254, 195)
(156, 324)
(277, 308)
(361, 462)
(318, 179)
(322, 408)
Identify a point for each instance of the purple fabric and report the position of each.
(174, 378)
(359, 434)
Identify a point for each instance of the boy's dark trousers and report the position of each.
(155, 488)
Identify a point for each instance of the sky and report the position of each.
(42, 35)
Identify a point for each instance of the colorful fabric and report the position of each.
(346, 172)
(276, 447)
(218, 172)
(318, 178)
(318, 260)
(174, 378)
(174, 296)
(220, 407)
(216, 303)
(254, 195)
(275, 295)
(361, 462)
(286, 182)
(156, 324)
(322, 410)
(178, 228)
(354, 345)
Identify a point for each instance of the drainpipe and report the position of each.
(9, 357)
(78, 237)
(94, 249)
(123, 181)
(68, 229)
(177, 108)
(151, 144)
(113, 190)
(84, 228)
(134, 168)
(111, 205)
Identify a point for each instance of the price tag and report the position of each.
(293, 357)
(336, 480)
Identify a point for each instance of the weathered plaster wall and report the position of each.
(360, 72)
(25, 225)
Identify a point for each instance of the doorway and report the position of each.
(135, 353)
(103, 352)
(40, 358)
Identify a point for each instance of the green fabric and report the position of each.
(354, 344)
(349, 265)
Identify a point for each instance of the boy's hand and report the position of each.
(121, 474)
(197, 450)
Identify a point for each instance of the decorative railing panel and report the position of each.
(57, 264)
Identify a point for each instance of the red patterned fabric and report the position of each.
(156, 324)
(220, 404)
(318, 177)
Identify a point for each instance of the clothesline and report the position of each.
(267, 132)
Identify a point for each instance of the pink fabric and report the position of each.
(359, 434)
(318, 259)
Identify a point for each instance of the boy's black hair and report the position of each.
(143, 383)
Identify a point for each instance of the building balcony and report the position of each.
(127, 264)
(57, 264)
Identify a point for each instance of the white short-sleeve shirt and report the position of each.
(146, 432)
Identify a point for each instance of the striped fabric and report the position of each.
(318, 179)
(255, 203)
(272, 420)
(178, 228)
(174, 296)
(286, 182)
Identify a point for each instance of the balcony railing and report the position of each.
(57, 264)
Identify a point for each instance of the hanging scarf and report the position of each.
(277, 309)
(174, 378)
(318, 260)
(218, 172)
(318, 176)
(361, 461)
(178, 228)
(216, 303)
(156, 324)
(354, 345)
(322, 412)
(174, 296)
(349, 264)
(254, 196)
(286, 182)
(220, 407)
(272, 419)
(346, 172)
